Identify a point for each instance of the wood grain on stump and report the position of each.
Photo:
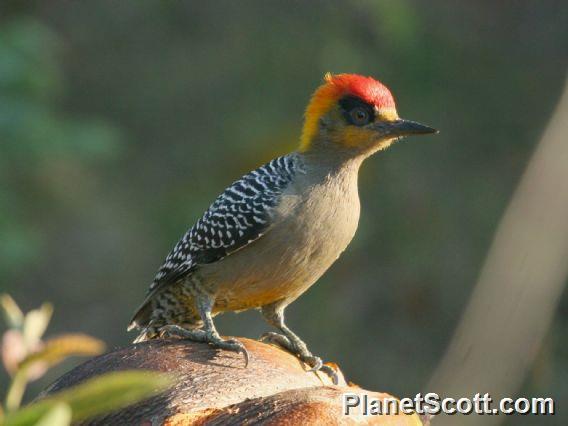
(212, 387)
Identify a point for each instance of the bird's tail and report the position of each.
(142, 320)
(149, 319)
(148, 332)
(146, 326)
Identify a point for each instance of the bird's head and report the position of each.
(356, 114)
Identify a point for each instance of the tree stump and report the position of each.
(212, 387)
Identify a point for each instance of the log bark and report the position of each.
(213, 387)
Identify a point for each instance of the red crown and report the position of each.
(366, 88)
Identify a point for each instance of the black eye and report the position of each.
(359, 116)
(355, 111)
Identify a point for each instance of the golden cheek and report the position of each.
(357, 137)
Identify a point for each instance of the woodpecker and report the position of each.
(274, 232)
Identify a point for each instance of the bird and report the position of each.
(275, 231)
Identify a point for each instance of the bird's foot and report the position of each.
(211, 337)
(173, 330)
(300, 349)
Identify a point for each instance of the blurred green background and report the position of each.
(120, 121)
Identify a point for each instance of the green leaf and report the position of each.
(12, 313)
(96, 396)
(16, 391)
(58, 348)
(58, 415)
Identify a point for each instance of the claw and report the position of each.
(164, 333)
(318, 365)
(239, 348)
(301, 352)
(231, 345)
(174, 330)
(246, 355)
(331, 373)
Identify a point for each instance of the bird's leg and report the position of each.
(274, 315)
(209, 333)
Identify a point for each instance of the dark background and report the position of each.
(120, 121)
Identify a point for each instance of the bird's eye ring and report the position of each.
(359, 116)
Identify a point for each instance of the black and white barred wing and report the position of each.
(239, 216)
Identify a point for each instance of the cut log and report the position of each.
(213, 387)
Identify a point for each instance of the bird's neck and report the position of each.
(331, 157)
(339, 173)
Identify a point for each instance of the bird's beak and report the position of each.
(399, 128)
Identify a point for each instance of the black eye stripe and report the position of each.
(349, 103)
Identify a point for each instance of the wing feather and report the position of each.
(239, 216)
